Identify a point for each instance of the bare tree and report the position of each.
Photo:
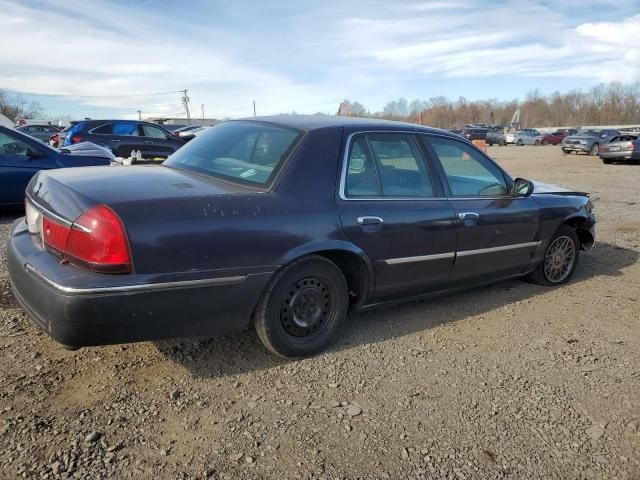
(14, 106)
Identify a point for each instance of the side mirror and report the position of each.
(522, 187)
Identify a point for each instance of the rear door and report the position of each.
(391, 206)
(155, 142)
(497, 232)
(17, 165)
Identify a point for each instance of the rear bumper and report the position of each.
(619, 156)
(128, 311)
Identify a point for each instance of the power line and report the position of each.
(60, 95)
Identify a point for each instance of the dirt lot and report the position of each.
(508, 381)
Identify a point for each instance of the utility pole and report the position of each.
(202, 107)
(140, 115)
(254, 108)
(185, 100)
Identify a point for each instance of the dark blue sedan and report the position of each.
(22, 156)
(286, 222)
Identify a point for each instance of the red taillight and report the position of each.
(96, 241)
(77, 138)
(54, 234)
(631, 146)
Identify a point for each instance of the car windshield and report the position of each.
(245, 151)
(590, 133)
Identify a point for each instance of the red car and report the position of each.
(556, 137)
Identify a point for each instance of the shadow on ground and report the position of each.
(243, 352)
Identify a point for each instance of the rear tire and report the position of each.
(607, 161)
(537, 142)
(302, 308)
(560, 259)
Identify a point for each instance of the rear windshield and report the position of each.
(249, 152)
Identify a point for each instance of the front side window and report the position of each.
(468, 172)
(12, 146)
(153, 132)
(245, 151)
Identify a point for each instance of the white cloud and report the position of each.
(303, 58)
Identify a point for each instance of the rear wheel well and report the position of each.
(355, 273)
(580, 225)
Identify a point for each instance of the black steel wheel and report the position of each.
(303, 307)
(560, 258)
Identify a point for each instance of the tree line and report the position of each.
(15, 106)
(605, 104)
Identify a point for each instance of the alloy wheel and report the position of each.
(559, 259)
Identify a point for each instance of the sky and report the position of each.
(105, 58)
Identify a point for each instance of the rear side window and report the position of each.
(103, 129)
(468, 172)
(386, 165)
(125, 128)
(249, 152)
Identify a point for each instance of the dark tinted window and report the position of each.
(468, 172)
(103, 129)
(250, 152)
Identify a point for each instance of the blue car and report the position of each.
(286, 222)
(22, 156)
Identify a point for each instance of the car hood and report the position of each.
(549, 188)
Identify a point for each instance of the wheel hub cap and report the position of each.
(305, 307)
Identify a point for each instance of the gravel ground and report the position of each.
(508, 381)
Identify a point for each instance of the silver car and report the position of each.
(525, 137)
(623, 148)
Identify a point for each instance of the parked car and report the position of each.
(22, 156)
(285, 221)
(622, 148)
(490, 136)
(524, 137)
(588, 140)
(40, 132)
(179, 132)
(555, 138)
(124, 136)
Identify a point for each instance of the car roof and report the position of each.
(315, 122)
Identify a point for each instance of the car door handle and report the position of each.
(369, 220)
(148, 142)
(468, 216)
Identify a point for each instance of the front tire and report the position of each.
(520, 143)
(560, 259)
(537, 142)
(303, 307)
(595, 149)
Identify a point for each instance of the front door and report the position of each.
(497, 232)
(155, 142)
(391, 206)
